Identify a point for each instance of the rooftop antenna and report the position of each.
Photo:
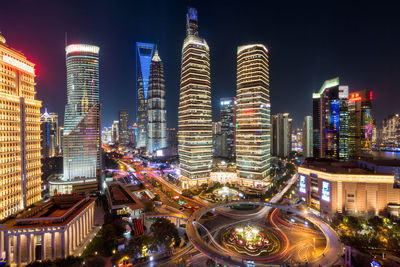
(66, 38)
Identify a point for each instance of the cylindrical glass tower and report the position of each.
(82, 113)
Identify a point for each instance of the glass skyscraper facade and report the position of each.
(331, 121)
(253, 133)
(281, 132)
(144, 55)
(307, 137)
(360, 123)
(228, 125)
(123, 127)
(194, 113)
(49, 134)
(81, 152)
(157, 125)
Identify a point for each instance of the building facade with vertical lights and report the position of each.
(281, 135)
(82, 136)
(123, 127)
(49, 134)
(156, 112)
(391, 131)
(360, 123)
(20, 150)
(144, 55)
(228, 124)
(330, 121)
(56, 228)
(363, 187)
(307, 141)
(194, 114)
(253, 131)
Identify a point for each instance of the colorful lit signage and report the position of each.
(326, 194)
(18, 64)
(355, 97)
(302, 184)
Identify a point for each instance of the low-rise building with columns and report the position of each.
(49, 230)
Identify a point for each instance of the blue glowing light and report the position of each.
(192, 13)
(335, 114)
(144, 52)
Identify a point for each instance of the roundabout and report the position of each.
(274, 234)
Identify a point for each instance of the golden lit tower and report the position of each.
(253, 115)
(194, 115)
(20, 166)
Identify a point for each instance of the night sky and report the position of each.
(309, 42)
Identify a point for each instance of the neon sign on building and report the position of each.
(302, 184)
(355, 97)
(326, 194)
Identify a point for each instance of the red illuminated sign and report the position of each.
(355, 97)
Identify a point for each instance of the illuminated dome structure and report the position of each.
(2, 39)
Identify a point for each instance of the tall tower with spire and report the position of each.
(49, 129)
(156, 112)
(144, 55)
(194, 114)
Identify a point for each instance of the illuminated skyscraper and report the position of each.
(54, 118)
(360, 123)
(391, 131)
(123, 127)
(20, 166)
(82, 112)
(307, 137)
(115, 132)
(330, 121)
(281, 135)
(253, 131)
(144, 55)
(49, 129)
(228, 124)
(61, 138)
(194, 114)
(157, 125)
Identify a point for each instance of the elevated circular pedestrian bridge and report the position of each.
(214, 250)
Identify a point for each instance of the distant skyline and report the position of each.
(309, 42)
